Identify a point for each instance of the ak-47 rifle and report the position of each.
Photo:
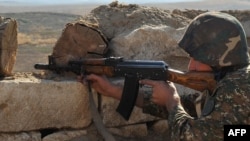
(133, 71)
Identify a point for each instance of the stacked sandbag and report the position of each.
(8, 45)
(79, 40)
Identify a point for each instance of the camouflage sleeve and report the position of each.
(185, 127)
(177, 118)
(160, 111)
(230, 106)
(178, 123)
(150, 108)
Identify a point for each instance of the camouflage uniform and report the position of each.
(216, 39)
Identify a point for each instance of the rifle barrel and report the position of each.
(41, 66)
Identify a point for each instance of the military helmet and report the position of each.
(216, 39)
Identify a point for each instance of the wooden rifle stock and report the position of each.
(196, 80)
(100, 70)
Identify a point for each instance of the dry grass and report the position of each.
(34, 39)
(37, 34)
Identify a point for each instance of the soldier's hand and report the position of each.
(164, 93)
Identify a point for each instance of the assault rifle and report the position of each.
(133, 71)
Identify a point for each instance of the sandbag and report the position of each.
(8, 45)
(79, 40)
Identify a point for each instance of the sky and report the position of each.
(49, 2)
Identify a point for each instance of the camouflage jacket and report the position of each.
(231, 105)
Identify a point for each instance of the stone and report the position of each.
(119, 18)
(151, 43)
(22, 136)
(136, 130)
(64, 135)
(160, 126)
(28, 103)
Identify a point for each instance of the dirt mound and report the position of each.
(115, 18)
(241, 15)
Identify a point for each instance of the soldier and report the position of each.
(216, 42)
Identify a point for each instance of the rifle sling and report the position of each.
(97, 118)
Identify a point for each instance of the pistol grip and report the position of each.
(129, 96)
